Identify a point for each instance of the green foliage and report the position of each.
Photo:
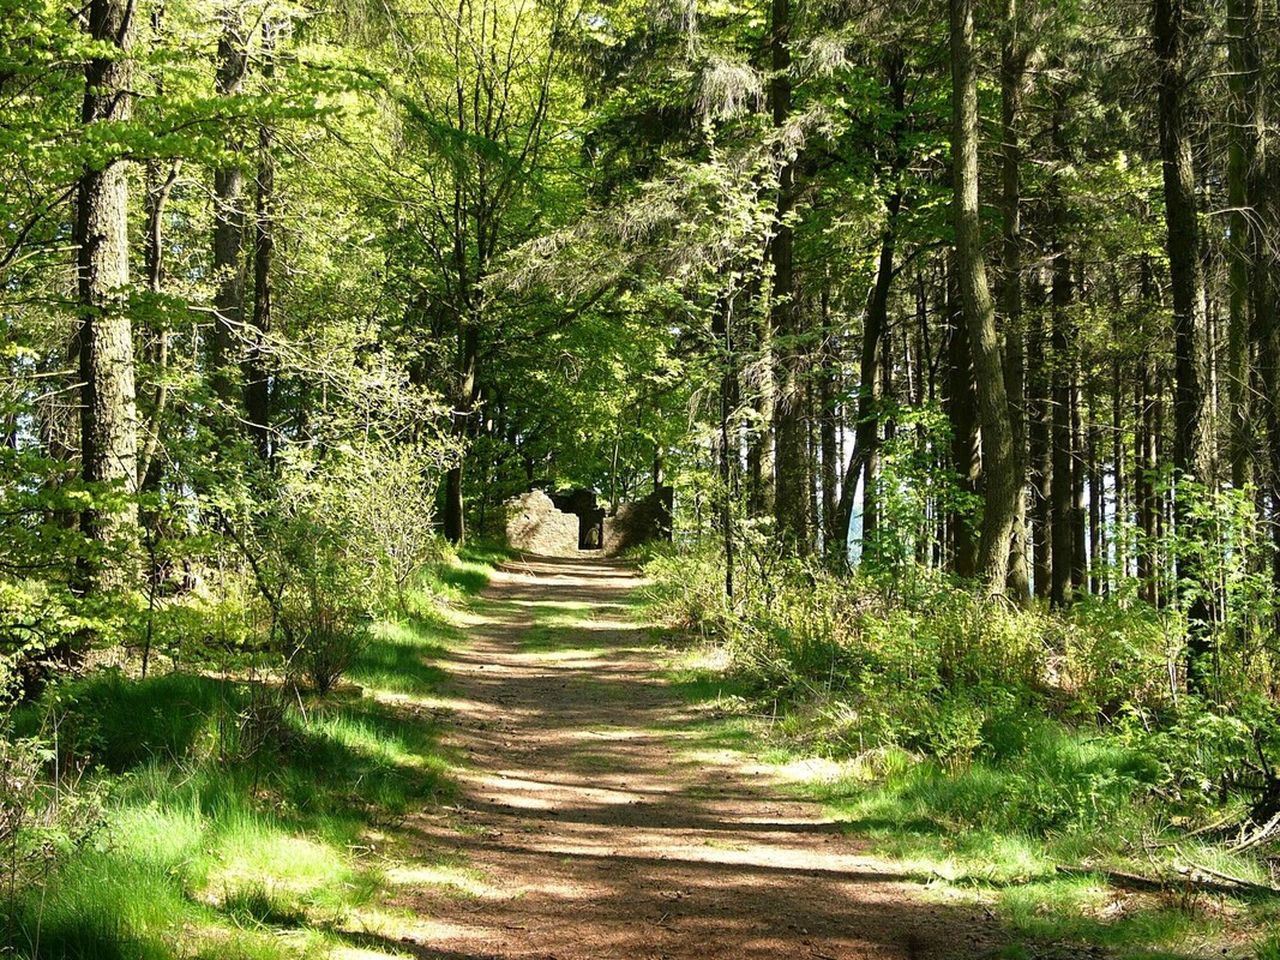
(857, 665)
(226, 812)
(45, 821)
(330, 632)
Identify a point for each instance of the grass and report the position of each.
(468, 572)
(996, 829)
(560, 628)
(210, 847)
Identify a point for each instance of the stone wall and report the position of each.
(582, 503)
(534, 525)
(639, 521)
(572, 525)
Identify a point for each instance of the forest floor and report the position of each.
(598, 815)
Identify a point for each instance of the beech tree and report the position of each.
(104, 332)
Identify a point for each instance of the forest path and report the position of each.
(590, 826)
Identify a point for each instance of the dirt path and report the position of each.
(588, 830)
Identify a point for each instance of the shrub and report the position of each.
(329, 630)
(46, 814)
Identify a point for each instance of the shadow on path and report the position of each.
(588, 832)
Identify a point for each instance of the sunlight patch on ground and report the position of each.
(536, 795)
(569, 656)
(463, 880)
(676, 846)
(362, 953)
(708, 658)
(712, 757)
(284, 863)
(613, 733)
(601, 625)
(386, 923)
(430, 701)
(811, 770)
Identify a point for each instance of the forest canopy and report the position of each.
(968, 305)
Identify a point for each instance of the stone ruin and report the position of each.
(573, 524)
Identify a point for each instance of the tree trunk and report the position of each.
(1040, 459)
(1000, 465)
(959, 406)
(228, 218)
(1013, 62)
(1119, 474)
(872, 373)
(1245, 131)
(158, 191)
(1061, 364)
(1264, 199)
(104, 339)
(760, 458)
(1097, 541)
(455, 526)
(723, 334)
(834, 540)
(791, 493)
(866, 446)
(1192, 452)
(1079, 471)
(257, 392)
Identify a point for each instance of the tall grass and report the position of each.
(986, 748)
(221, 842)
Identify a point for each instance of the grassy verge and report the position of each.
(999, 831)
(236, 823)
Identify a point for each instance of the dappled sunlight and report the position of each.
(361, 953)
(810, 769)
(608, 817)
(465, 881)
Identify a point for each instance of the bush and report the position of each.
(46, 815)
(920, 662)
(329, 631)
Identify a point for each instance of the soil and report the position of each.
(591, 826)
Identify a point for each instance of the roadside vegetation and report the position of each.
(226, 806)
(1048, 763)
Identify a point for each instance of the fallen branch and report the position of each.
(1255, 838)
(1191, 869)
(1204, 879)
(1118, 877)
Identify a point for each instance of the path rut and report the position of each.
(591, 830)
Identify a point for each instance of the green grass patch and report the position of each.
(237, 816)
(401, 656)
(996, 827)
(469, 570)
(560, 628)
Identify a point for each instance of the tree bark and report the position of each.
(1000, 465)
(1013, 63)
(834, 539)
(158, 191)
(1245, 130)
(1041, 461)
(1061, 364)
(229, 268)
(872, 373)
(104, 338)
(722, 333)
(1192, 450)
(257, 392)
(760, 456)
(455, 525)
(1079, 472)
(791, 492)
(959, 404)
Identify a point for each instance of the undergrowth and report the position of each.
(1028, 758)
(239, 817)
